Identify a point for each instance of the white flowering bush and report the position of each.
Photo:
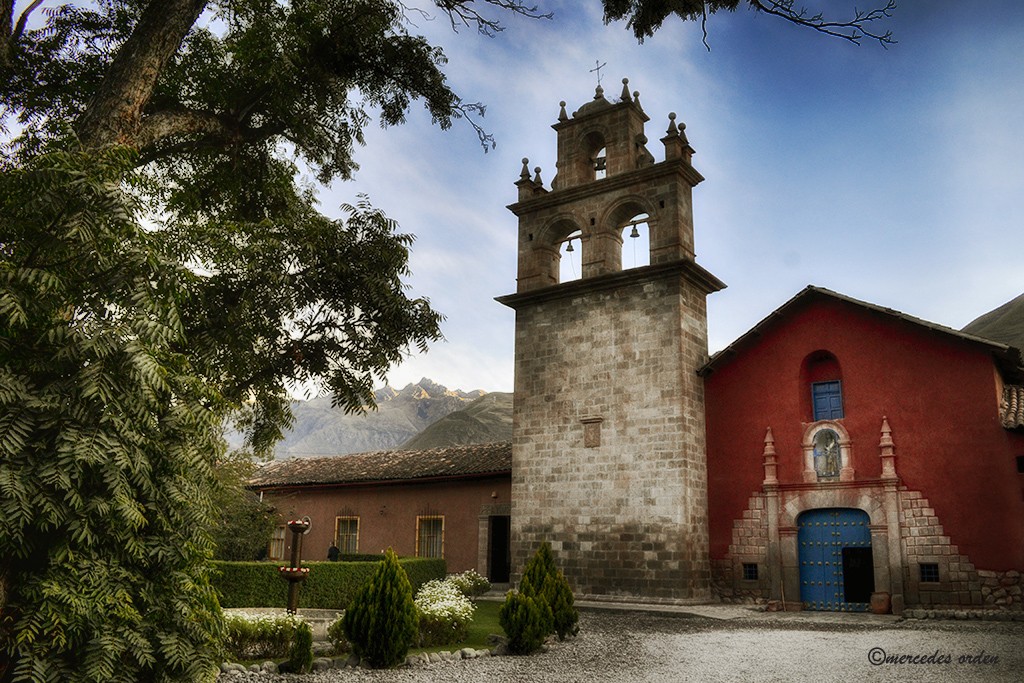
(445, 613)
(336, 634)
(259, 636)
(470, 583)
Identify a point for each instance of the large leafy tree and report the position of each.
(161, 269)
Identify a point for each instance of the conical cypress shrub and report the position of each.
(526, 620)
(543, 581)
(539, 566)
(381, 622)
(558, 595)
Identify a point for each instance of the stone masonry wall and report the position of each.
(960, 584)
(749, 545)
(608, 453)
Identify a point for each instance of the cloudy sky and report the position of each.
(891, 175)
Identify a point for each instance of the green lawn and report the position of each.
(485, 622)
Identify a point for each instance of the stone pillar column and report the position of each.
(771, 490)
(891, 495)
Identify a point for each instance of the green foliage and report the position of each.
(261, 636)
(539, 566)
(244, 522)
(107, 436)
(558, 595)
(330, 585)
(381, 621)
(526, 620)
(126, 348)
(544, 581)
(300, 656)
(336, 634)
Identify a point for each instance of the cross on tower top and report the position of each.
(598, 69)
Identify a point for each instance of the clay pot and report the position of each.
(881, 603)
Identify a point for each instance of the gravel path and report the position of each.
(632, 646)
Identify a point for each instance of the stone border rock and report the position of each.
(353, 662)
(964, 614)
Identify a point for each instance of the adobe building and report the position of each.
(853, 449)
(444, 502)
(608, 453)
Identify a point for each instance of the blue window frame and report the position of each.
(827, 399)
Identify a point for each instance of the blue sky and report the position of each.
(893, 176)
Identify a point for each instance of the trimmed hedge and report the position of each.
(330, 585)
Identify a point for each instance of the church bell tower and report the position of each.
(608, 458)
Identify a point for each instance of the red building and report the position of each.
(445, 502)
(853, 449)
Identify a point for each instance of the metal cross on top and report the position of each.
(598, 69)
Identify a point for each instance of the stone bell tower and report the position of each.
(608, 459)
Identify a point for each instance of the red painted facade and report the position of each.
(388, 514)
(939, 390)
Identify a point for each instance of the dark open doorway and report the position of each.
(858, 575)
(499, 561)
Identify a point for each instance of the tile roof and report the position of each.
(455, 462)
(1008, 357)
(1011, 412)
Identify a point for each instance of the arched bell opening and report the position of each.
(595, 155)
(636, 242)
(570, 257)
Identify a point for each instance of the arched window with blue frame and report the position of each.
(822, 380)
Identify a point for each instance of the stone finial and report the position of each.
(636, 98)
(886, 441)
(536, 178)
(887, 451)
(682, 132)
(770, 463)
(599, 93)
(644, 157)
(672, 128)
(525, 173)
(676, 144)
(625, 90)
(562, 115)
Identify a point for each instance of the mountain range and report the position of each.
(429, 415)
(401, 414)
(1004, 324)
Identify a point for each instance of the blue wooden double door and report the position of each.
(836, 567)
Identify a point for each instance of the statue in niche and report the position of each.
(826, 455)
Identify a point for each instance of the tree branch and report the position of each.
(114, 114)
(175, 122)
(468, 111)
(201, 130)
(460, 13)
(852, 30)
(23, 19)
